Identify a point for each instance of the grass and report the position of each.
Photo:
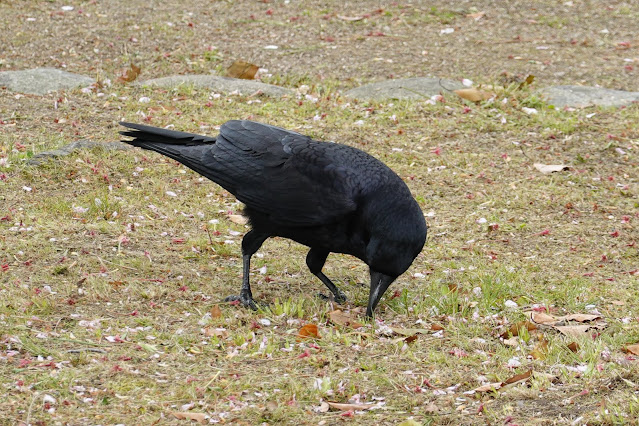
(109, 282)
(114, 264)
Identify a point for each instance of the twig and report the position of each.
(76, 351)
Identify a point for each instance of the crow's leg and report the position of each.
(251, 243)
(315, 260)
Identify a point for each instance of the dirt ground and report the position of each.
(560, 42)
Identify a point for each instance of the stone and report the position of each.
(41, 157)
(584, 96)
(40, 81)
(404, 88)
(218, 83)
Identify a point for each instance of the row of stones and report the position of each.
(40, 81)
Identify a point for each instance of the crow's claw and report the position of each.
(340, 298)
(246, 301)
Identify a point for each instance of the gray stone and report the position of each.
(40, 81)
(583, 96)
(404, 88)
(217, 83)
(40, 158)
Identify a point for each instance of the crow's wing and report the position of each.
(289, 177)
(294, 180)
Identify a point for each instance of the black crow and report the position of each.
(327, 196)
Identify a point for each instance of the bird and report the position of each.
(327, 196)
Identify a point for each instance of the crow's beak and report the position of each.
(379, 284)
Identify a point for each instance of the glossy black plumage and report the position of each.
(328, 196)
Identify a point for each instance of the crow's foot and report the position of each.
(339, 298)
(245, 300)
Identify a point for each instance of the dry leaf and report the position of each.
(550, 168)
(618, 303)
(540, 375)
(238, 218)
(489, 387)
(574, 347)
(632, 349)
(527, 82)
(350, 18)
(271, 406)
(349, 407)
(540, 350)
(342, 318)
(514, 329)
(242, 69)
(322, 408)
(410, 339)
(409, 331)
(518, 377)
(513, 341)
(474, 95)
(579, 317)
(197, 417)
(542, 318)
(476, 16)
(436, 327)
(309, 331)
(130, 74)
(573, 330)
(216, 332)
(216, 312)
(430, 409)
(407, 422)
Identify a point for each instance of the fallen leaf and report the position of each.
(242, 69)
(526, 82)
(130, 74)
(436, 327)
(430, 409)
(513, 341)
(476, 16)
(410, 339)
(540, 375)
(411, 422)
(349, 407)
(271, 406)
(322, 408)
(573, 330)
(633, 349)
(350, 18)
(409, 331)
(540, 350)
(579, 317)
(518, 378)
(618, 303)
(216, 312)
(309, 331)
(197, 417)
(515, 328)
(550, 168)
(489, 387)
(238, 218)
(342, 318)
(216, 332)
(542, 318)
(474, 95)
(574, 347)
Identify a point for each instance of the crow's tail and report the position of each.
(194, 151)
(147, 136)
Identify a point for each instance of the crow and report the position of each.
(327, 196)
